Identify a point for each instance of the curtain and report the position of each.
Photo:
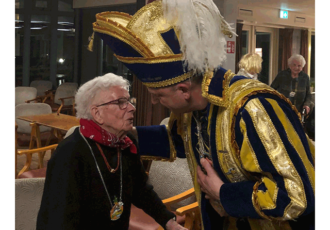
(239, 29)
(304, 47)
(285, 48)
(146, 113)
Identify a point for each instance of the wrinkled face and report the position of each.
(112, 117)
(169, 97)
(296, 67)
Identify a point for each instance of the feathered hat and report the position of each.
(166, 41)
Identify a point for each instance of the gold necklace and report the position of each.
(117, 207)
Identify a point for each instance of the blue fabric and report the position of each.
(153, 141)
(266, 165)
(216, 85)
(236, 199)
(291, 115)
(178, 142)
(156, 72)
(119, 47)
(172, 41)
(236, 78)
(214, 154)
(294, 156)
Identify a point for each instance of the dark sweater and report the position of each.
(285, 84)
(74, 196)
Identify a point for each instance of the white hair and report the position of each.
(87, 92)
(297, 57)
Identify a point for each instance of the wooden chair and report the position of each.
(172, 182)
(42, 86)
(26, 133)
(22, 94)
(61, 99)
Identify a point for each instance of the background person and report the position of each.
(239, 130)
(294, 84)
(95, 174)
(250, 65)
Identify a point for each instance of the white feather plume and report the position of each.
(200, 25)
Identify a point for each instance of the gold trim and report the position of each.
(173, 153)
(169, 82)
(279, 157)
(117, 13)
(219, 101)
(154, 158)
(124, 36)
(147, 7)
(263, 197)
(150, 60)
(295, 141)
(241, 102)
(255, 201)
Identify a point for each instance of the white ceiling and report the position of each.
(302, 6)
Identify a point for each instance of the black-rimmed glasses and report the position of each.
(121, 102)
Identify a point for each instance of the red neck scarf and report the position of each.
(91, 130)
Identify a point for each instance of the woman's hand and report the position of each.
(173, 225)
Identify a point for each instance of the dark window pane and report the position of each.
(263, 48)
(65, 47)
(40, 47)
(65, 5)
(19, 48)
(19, 4)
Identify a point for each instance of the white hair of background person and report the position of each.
(297, 57)
(90, 89)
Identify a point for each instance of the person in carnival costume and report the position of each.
(251, 163)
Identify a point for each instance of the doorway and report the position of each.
(263, 41)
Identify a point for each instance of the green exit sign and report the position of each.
(284, 14)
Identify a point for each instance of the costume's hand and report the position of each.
(173, 225)
(210, 182)
(307, 109)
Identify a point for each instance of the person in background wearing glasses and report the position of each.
(95, 174)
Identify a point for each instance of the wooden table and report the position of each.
(58, 123)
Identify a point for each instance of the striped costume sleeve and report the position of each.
(274, 148)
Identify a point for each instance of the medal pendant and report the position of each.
(116, 210)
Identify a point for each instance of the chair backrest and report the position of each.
(42, 86)
(165, 121)
(28, 109)
(65, 90)
(70, 131)
(170, 179)
(23, 94)
(28, 194)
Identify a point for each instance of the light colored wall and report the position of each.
(270, 16)
(95, 3)
(228, 9)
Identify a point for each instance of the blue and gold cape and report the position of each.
(259, 150)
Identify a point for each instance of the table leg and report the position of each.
(35, 134)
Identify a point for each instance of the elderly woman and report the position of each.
(250, 65)
(294, 83)
(95, 174)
